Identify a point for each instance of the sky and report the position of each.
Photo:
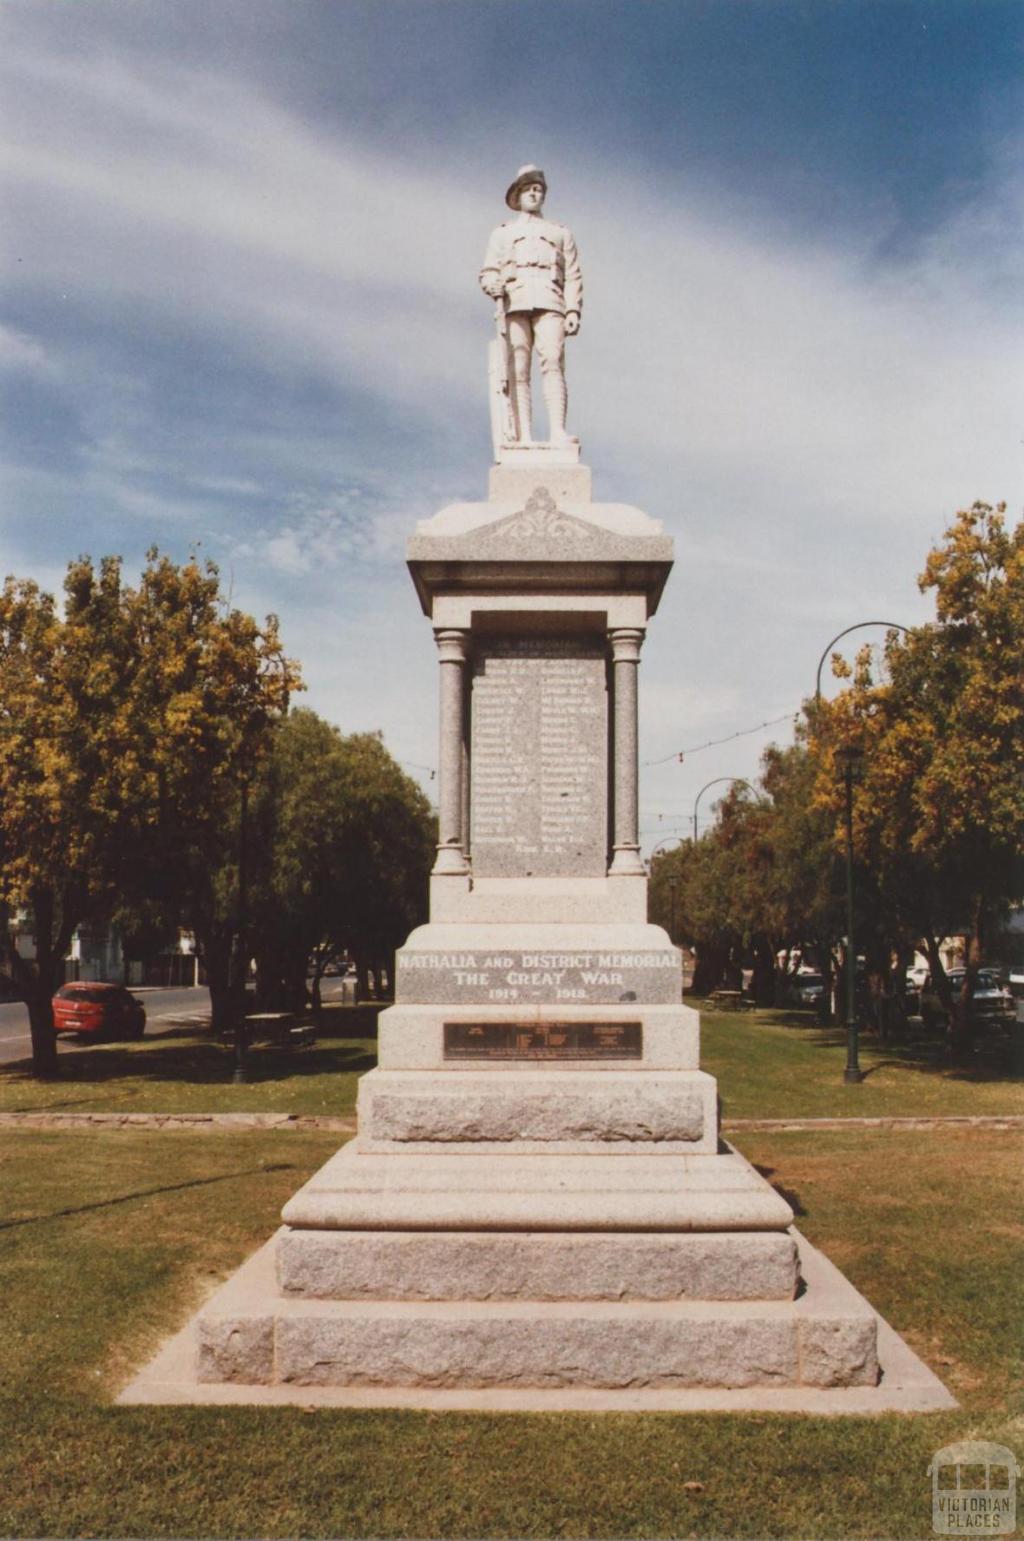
(240, 314)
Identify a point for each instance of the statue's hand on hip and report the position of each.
(572, 324)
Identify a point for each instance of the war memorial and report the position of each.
(538, 1210)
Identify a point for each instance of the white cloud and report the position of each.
(19, 351)
(327, 537)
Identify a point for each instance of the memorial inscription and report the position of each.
(543, 1040)
(539, 758)
(502, 978)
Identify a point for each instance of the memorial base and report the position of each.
(253, 1295)
(534, 1263)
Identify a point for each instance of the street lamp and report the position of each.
(849, 757)
(858, 626)
(737, 779)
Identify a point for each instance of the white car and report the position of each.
(992, 1000)
(803, 990)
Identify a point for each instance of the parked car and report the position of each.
(98, 1011)
(993, 1002)
(803, 990)
(912, 990)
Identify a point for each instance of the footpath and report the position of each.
(44, 1119)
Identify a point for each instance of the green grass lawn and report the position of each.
(108, 1239)
(180, 1070)
(776, 1064)
(769, 1064)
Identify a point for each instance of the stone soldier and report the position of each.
(532, 265)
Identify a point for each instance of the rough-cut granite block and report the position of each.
(236, 1348)
(585, 1107)
(418, 1265)
(537, 1350)
(838, 1351)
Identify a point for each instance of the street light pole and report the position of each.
(853, 1073)
(859, 626)
(240, 1073)
(739, 781)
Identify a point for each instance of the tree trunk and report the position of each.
(732, 976)
(711, 961)
(826, 962)
(904, 960)
(961, 1037)
(875, 1002)
(36, 980)
(39, 1001)
(216, 956)
(942, 987)
(763, 983)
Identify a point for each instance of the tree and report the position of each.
(128, 723)
(939, 809)
(346, 842)
(390, 851)
(761, 882)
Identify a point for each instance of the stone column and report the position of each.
(625, 643)
(451, 857)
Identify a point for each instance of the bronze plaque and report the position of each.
(543, 1040)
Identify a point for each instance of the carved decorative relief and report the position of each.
(542, 519)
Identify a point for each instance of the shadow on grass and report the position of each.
(187, 1060)
(998, 1050)
(791, 1197)
(144, 1193)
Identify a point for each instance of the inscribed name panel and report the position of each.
(539, 758)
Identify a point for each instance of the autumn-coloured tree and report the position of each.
(762, 881)
(939, 806)
(128, 723)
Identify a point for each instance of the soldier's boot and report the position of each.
(556, 399)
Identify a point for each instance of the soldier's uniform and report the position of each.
(534, 264)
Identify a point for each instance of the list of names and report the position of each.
(539, 758)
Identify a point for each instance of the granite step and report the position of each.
(303, 1342)
(540, 1105)
(463, 1189)
(466, 1265)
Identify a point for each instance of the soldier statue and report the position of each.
(532, 271)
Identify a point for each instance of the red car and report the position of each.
(98, 1010)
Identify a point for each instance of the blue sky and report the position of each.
(239, 311)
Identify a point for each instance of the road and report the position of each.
(164, 1008)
